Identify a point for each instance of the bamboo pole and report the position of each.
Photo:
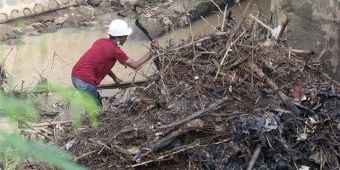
(121, 85)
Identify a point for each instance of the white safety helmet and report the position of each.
(119, 27)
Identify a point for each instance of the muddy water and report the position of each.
(51, 56)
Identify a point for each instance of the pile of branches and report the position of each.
(235, 99)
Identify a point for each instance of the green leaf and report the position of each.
(18, 109)
(75, 97)
(48, 154)
(13, 148)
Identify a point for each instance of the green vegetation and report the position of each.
(14, 148)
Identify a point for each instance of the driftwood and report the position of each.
(162, 157)
(196, 114)
(126, 154)
(121, 85)
(51, 123)
(176, 151)
(168, 139)
(298, 51)
(165, 141)
(261, 23)
(254, 157)
(289, 104)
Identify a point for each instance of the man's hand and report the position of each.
(136, 64)
(154, 45)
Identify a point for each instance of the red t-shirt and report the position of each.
(97, 61)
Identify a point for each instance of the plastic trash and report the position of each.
(276, 32)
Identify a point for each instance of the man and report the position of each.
(98, 61)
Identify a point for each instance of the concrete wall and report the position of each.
(13, 9)
(313, 25)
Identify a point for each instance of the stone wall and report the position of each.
(13, 9)
(313, 25)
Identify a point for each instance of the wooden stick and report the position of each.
(224, 17)
(50, 123)
(84, 155)
(298, 51)
(196, 114)
(175, 49)
(233, 33)
(289, 104)
(254, 157)
(260, 22)
(176, 151)
(209, 23)
(330, 78)
(126, 154)
(217, 6)
(183, 46)
(3, 61)
(121, 85)
(227, 52)
(163, 156)
(304, 107)
(165, 141)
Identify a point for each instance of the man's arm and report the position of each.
(136, 64)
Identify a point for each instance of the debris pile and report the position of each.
(235, 99)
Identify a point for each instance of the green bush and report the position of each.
(14, 148)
